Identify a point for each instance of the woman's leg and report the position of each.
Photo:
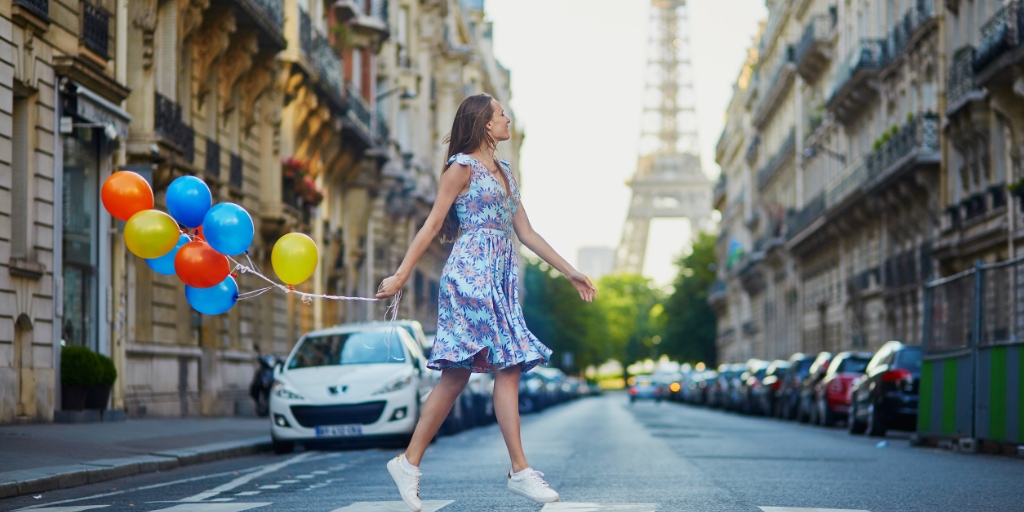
(435, 410)
(506, 408)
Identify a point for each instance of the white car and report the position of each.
(348, 381)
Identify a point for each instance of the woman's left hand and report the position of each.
(583, 285)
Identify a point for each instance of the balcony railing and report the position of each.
(961, 83)
(271, 10)
(40, 8)
(811, 212)
(866, 55)
(328, 65)
(780, 157)
(168, 124)
(719, 191)
(212, 166)
(305, 34)
(918, 138)
(235, 172)
(383, 131)
(850, 181)
(1001, 33)
(95, 29)
(752, 148)
(809, 57)
(903, 31)
(781, 79)
(358, 109)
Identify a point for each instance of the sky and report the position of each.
(577, 84)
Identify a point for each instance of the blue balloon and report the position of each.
(164, 265)
(214, 300)
(188, 200)
(228, 229)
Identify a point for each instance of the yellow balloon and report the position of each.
(294, 258)
(151, 233)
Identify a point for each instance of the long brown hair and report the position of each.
(469, 133)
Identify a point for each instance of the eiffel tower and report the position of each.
(668, 182)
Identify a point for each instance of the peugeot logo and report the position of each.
(334, 390)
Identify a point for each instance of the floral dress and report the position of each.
(480, 324)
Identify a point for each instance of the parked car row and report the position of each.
(871, 392)
(370, 380)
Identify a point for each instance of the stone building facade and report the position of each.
(325, 118)
(883, 138)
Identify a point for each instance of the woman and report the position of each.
(480, 326)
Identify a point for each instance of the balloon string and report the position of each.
(306, 298)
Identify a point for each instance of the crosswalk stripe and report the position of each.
(288, 482)
(69, 509)
(794, 509)
(213, 507)
(248, 493)
(392, 506)
(263, 487)
(565, 506)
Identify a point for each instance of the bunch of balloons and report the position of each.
(198, 253)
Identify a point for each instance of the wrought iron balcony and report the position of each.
(851, 88)
(168, 124)
(235, 172)
(786, 150)
(776, 89)
(974, 206)
(719, 192)
(39, 8)
(846, 184)
(272, 12)
(305, 34)
(383, 131)
(212, 166)
(365, 15)
(358, 110)
(916, 143)
(95, 29)
(812, 211)
(1001, 33)
(961, 85)
(328, 65)
(752, 148)
(813, 52)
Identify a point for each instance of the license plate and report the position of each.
(339, 431)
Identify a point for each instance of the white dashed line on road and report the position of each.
(599, 507)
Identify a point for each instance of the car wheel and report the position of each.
(876, 426)
(853, 426)
(283, 447)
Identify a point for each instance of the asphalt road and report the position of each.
(600, 454)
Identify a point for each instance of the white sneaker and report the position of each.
(408, 483)
(530, 485)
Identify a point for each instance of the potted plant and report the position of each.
(1016, 187)
(79, 369)
(98, 393)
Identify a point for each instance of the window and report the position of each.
(21, 218)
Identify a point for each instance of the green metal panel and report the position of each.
(949, 381)
(924, 408)
(1020, 395)
(996, 394)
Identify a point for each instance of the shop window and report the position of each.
(80, 255)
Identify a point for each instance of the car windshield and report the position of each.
(804, 367)
(348, 348)
(909, 358)
(761, 373)
(852, 365)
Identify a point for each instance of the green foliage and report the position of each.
(634, 315)
(555, 313)
(1016, 187)
(690, 324)
(109, 372)
(79, 366)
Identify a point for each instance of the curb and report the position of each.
(52, 478)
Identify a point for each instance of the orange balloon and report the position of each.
(126, 193)
(199, 266)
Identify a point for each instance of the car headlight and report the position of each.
(282, 391)
(394, 385)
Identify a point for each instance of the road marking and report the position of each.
(265, 487)
(242, 480)
(599, 507)
(221, 500)
(288, 482)
(392, 506)
(248, 493)
(794, 509)
(68, 509)
(321, 472)
(305, 477)
(213, 507)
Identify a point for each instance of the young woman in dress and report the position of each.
(480, 326)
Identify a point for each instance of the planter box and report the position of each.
(96, 397)
(72, 398)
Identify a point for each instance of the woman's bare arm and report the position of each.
(536, 243)
(453, 182)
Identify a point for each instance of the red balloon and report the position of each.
(199, 233)
(126, 193)
(199, 266)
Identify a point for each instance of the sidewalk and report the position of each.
(46, 457)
